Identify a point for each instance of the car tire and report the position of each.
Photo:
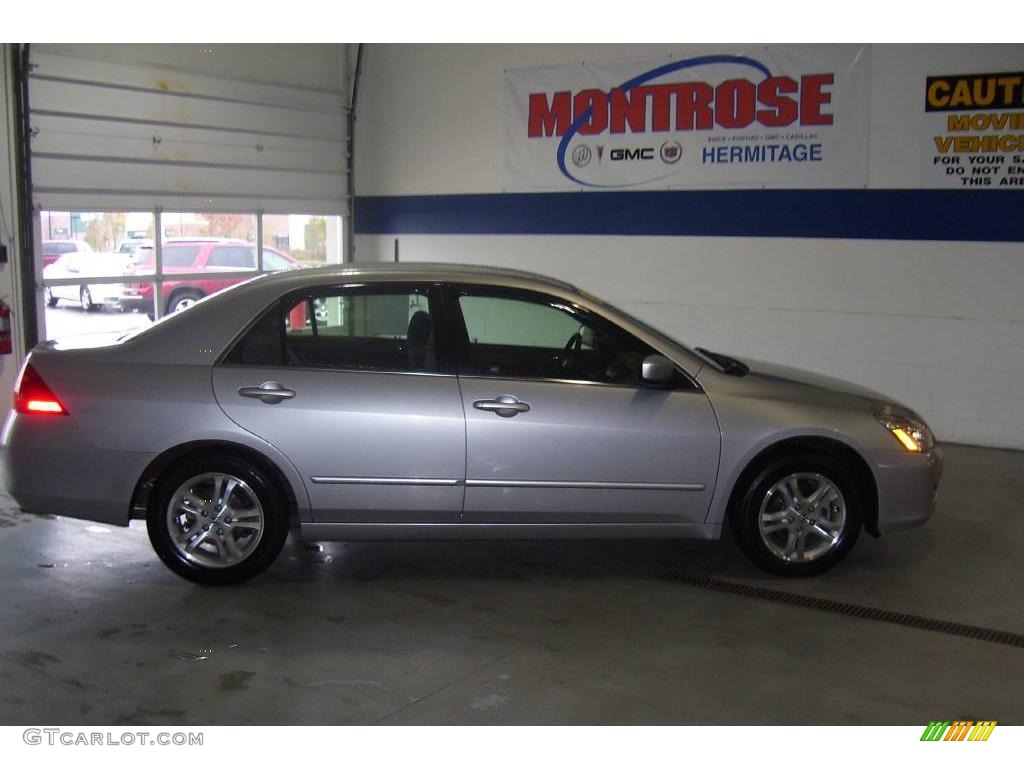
(213, 540)
(777, 513)
(182, 300)
(51, 300)
(85, 299)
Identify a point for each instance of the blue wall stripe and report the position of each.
(891, 214)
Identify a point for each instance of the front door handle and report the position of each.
(270, 392)
(503, 405)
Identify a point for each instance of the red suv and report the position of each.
(185, 255)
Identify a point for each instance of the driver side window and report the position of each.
(541, 337)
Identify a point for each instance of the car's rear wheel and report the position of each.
(51, 300)
(182, 300)
(85, 299)
(216, 520)
(799, 515)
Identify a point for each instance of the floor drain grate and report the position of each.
(857, 611)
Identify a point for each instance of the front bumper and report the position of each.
(907, 486)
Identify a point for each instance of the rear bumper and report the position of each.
(50, 469)
(907, 485)
(141, 303)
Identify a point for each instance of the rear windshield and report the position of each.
(54, 249)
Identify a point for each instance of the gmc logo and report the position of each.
(638, 153)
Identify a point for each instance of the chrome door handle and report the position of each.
(503, 405)
(270, 392)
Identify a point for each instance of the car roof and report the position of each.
(422, 270)
(203, 239)
(199, 239)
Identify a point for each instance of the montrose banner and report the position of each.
(781, 116)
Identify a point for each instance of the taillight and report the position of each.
(32, 395)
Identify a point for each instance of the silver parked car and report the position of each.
(437, 401)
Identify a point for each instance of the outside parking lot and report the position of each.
(67, 319)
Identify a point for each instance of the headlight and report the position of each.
(908, 428)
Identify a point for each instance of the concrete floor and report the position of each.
(96, 630)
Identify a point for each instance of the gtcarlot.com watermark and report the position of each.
(72, 738)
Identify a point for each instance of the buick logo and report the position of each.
(581, 155)
(671, 151)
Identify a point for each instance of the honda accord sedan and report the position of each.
(422, 401)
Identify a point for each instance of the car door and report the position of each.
(347, 382)
(560, 429)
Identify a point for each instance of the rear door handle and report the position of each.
(270, 392)
(503, 405)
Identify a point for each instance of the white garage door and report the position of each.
(115, 137)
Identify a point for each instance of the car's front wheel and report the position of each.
(216, 520)
(799, 515)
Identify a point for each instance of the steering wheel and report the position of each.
(571, 351)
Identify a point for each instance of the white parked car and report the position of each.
(54, 249)
(89, 296)
(135, 245)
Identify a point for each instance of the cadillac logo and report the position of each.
(671, 151)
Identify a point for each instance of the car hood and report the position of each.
(783, 382)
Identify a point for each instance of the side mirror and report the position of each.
(657, 370)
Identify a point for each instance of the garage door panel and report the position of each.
(116, 136)
(92, 138)
(161, 80)
(100, 175)
(63, 199)
(77, 99)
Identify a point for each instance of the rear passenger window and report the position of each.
(179, 255)
(232, 257)
(347, 330)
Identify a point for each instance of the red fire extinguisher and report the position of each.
(6, 347)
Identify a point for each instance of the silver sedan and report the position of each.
(434, 401)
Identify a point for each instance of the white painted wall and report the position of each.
(938, 325)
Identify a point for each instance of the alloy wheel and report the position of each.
(802, 517)
(215, 520)
(184, 303)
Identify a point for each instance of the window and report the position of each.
(178, 255)
(534, 336)
(355, 329)
(57, 248)
(305, 240)
(232, 257)
(274, 261)
(190, 242)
